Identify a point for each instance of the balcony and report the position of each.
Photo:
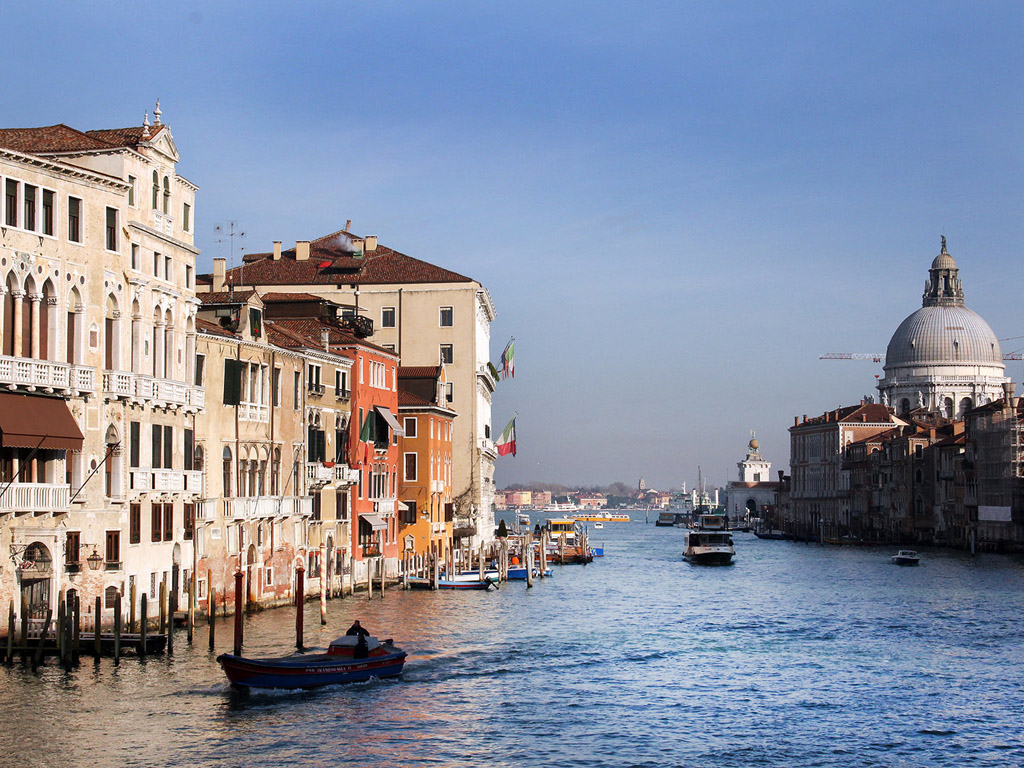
(345, 475)
(343, 394)
(437, 529)
(384, 507)
(318, 474)
(194, 482)
(47, 376)
(260, 507)
(437, 486)
(315, 388)
(195, 396)
(253, 412)
(169, 480)
(140, 480)
(36, 497)
(207, 510)
(169, 392)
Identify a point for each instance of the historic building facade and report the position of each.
(97, 274)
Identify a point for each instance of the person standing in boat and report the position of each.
(357, 629)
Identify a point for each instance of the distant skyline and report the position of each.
(676, 206)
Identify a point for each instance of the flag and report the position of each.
(493, 370)
(366, 440)
(507, 442)
(508, 363)
(324, 264)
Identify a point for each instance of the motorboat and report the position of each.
(342, 663)
(458, 581)
(906, 557)
(598, 526)
(600, 516)
(709, 543)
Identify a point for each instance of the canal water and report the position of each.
(796, 655)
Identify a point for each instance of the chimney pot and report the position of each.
(348, 225)
(277, 250)
(302, 250)
(371, 243)
(219, 268)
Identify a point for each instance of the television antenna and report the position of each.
(228, 233)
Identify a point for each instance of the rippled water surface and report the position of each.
(796, 655)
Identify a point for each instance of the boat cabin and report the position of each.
(560, 527)
(713, 522)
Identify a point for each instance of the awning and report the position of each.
(375, 522)
(403, 507)
(27, 419)
(389, 417)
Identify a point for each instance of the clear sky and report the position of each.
(676, 206)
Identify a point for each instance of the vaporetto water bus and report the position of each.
(595, 516)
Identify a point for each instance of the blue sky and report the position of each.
(677, 207)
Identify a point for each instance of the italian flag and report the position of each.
(507, 442)
(508, 362)
(366, 438)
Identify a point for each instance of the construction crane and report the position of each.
(876, 358)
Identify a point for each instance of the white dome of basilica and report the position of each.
(939, 334)
(943, 357)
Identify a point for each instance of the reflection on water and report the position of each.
(796, 655)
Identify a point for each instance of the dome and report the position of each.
(943, 334)
(943, 261)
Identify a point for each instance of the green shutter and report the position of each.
(232, 382)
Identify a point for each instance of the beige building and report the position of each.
(425, 313)
(97, 270)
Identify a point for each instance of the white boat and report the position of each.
(561, 509)
(906, 557)
(598, 525)
(709, 542)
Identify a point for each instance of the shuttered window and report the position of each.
(232, 382)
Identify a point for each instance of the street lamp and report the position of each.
(94, 560)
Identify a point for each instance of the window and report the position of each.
(72, 547)
(74, 219)
(387, 317)
(163, 446)
(408, 515)
(113, 547)
(410, 426)
(29, 221)
(341, 384)
(11, 203)
(190, 450)
(447, 354)
(186, 217)
(135, 524)
(111, 229)
(255, 322)
(411, 467)
(157, 527)
(313, 379)
(233, 381)
(298, 384)
(188, 276)
(134, 443)
(168, 522)
(167, 195)
(157, 261)
(447, 319)
(156, 190)
(449, 392)
(200, 361)
(135, 255)
(110, 597)
(48, 212)
(276, 388)
(168, 268)
(131, 190)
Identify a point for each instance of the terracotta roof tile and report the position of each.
(272, 297)
(225, 297)
(63, 138)
(419, 371)
(381, 266)
(309, 332)
(205, 326)
(409, 400)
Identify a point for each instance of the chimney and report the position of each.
(218, 274)
(302, 250)
(277, 250)
(1008, 388)
(796, 421)
(348, 225)
(371, 243)
(359, 245)
(325, 339)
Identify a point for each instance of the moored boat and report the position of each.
(459, 581)
(338, 665)
(906, 557)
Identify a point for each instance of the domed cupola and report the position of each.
(943, 357)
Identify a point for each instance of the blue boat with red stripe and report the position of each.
(339, 665)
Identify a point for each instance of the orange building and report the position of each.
(425, 462)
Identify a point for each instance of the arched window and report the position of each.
(947, 407)
(965, 405)
(904, 406)
(73, 343)
(111, 351)
(226, 478)
(167, 195)
(156, 190)
(29, 306)
(8, 315)
(47, 321)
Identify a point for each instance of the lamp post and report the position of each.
(94, 560)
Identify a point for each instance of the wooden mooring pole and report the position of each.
(143, 623)
(117, 630)
(239, 578)
(97, 628)
(323, 584)
(38, 657)
(132, 602)
(172, 608)
(300, 585)
(76, 631)
(10, 634)
(163, 606)
(211, 613)
(190, 619)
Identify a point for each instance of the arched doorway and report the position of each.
(36, 572)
